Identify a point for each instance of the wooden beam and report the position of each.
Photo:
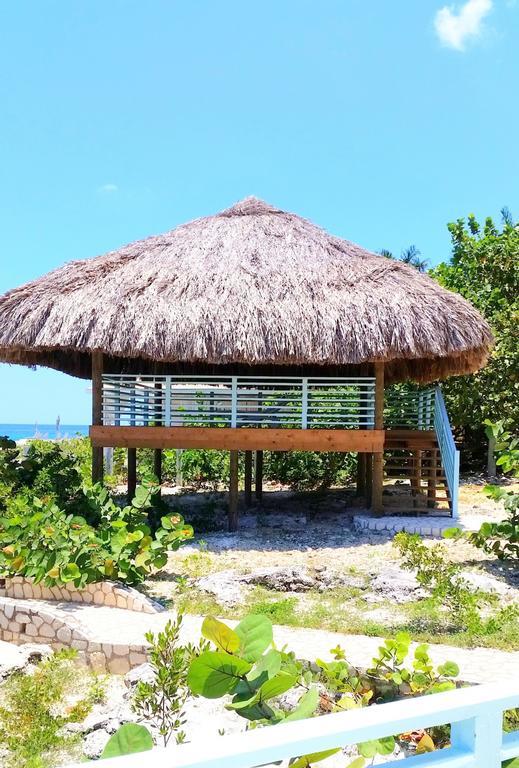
(378, 456)
(97, 414)
(258, 483)
(248, 478)
(132, 473)
(243, 439)
(233, 491)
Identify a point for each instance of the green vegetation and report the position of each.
(484, 268)
(74, 533)
(161, 701)
(36, 706)
(247, 665)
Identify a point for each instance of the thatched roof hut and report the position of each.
(251, 286)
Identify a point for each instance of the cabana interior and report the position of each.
(256, 330)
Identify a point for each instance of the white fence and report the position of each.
(239, 401)
(475, 715)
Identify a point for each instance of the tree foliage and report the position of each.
(484, 268)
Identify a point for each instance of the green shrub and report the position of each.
(247, 666)
(307, 470)
(40, 540)
(499, 538)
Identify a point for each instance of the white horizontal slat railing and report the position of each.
(239, 401)
(475, 715)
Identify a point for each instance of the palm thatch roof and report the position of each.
(251, 288)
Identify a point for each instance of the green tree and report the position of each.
(484, 268)
(410, 255)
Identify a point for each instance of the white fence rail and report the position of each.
(449, 453)
(475, 715)
(239, 401)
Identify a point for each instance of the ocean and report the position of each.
(42, 431)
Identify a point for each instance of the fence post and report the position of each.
(167, 402)
(304, 404)
(483, 736)
(234, 401)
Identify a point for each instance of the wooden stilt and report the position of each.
(378, 458)
(233, 492)
(432, 479)
(157, 464)
(97, 413)
(248, 478)
(416, 471)
(361, 474)
(132, 473)
(369, 478)
(258, 486)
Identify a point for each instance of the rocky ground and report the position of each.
(299, 559)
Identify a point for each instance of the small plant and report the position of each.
(162, 700)
(34, 710)
(441, 577)
(41, 541)
(247, 666)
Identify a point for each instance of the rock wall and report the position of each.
(109, 593)
(23, 620)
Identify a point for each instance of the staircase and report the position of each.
(423, 454)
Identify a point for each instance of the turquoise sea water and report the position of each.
(42, 431)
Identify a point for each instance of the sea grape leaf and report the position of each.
(214, 673)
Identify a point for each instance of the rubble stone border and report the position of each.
(109, 593)
(23, 620)
(425, 526)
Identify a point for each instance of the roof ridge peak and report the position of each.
(250, 206)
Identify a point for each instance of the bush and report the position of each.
(247, 665)
(308, 470)
(40, 540)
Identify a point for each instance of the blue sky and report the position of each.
(379, 121)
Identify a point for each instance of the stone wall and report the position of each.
(23, 620)
(109, 593)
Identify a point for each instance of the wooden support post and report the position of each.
(233, 491)
(378, 458)
(97, 413)
(432, 479)
(361, 474)
(258, 486)
(132, 473)
(248, 478)
(369, 478)
(416, 470)
(157, 464)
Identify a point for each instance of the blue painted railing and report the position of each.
(449, 453)
(475, 715)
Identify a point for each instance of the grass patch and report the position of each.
(343, 610)
(35, 707)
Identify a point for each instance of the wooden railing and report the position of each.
(239, 401)
(475, 715)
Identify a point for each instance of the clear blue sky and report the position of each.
(379, 121)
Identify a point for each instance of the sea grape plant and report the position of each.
(245, 664)
(41, 541)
